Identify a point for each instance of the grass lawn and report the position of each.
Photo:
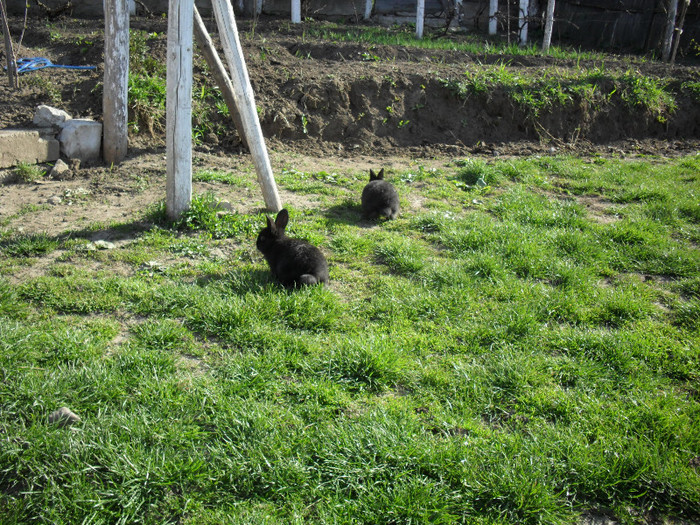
(522, 345)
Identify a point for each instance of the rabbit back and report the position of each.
(380, 198)
(294, 262)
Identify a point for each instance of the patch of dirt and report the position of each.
(346, 105)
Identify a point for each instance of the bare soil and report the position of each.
(322, 106)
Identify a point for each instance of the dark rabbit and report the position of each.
(293, 262)
(379, 198)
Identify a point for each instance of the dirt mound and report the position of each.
(315, 95)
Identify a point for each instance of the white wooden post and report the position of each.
(368, 9)
(420, 18)
(178, 120)
(669, 30)
(115, 94)
(493, 20)
(548, 25)
(245, 100)
(296, 11)
(523, 21)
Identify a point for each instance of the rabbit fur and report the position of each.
(379, 197)
(293, 262)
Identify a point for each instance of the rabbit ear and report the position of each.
(282, 219)
(373, 176)
(380, 175)
(270, 224)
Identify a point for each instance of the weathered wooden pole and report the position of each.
(115, 94)
(669, 30)
(296, 11)
(9, 52)
(218, 71)
(679, 29)
(493, 17)
(178, 120)
(548, 25)
(368, 9)
(245, 101)
(420, 18)
(523, 21)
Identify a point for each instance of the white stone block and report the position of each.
(81, 139)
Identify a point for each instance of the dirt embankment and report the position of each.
(319, 96)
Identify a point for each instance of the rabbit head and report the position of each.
(273, 232)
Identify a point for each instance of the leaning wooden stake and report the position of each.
(9, 52)
(420, 18)
(178, 120)
(218, 71)
(245, 101)
(548, 25)
(115, 113)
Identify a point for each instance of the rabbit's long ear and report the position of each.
(270, 224)
(380, 175)
(372, 175)
(282, 219)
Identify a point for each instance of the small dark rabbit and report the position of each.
(379, 197)
(293, 262)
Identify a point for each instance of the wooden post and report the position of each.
(178, 120)
(493, 19)
(218, 71)
(115, 95)
(245, 101)
(296, 11)
(9, 52)
(548, 25)
(420, 18)
(523, 17)
(368, 9)
(669, 30)
(679, 29)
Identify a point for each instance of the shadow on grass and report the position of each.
(350, 213)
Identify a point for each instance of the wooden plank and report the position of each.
(296, 11)
(493, 17)
(420, 18)
(178, 120)
(115, 96)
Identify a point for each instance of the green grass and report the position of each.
(526, 350)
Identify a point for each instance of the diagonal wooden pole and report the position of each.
(245, 101)
(218, 71)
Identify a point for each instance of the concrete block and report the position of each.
(46, 116)
(81, 139)
(26, 145)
